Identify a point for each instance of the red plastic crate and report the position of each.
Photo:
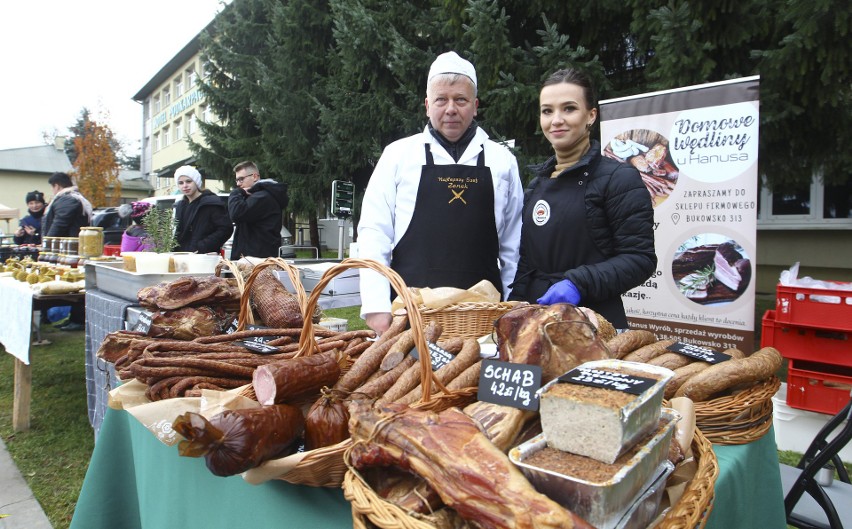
(112, 249)
(806, 343)
(818, 387)
(814, 307)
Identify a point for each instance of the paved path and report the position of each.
(18, 507)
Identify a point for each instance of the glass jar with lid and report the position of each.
(73, 245)
(91, 241)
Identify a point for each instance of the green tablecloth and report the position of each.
(134, 481)
(748, 489)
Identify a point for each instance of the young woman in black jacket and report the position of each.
(203, 224)
(587, 233)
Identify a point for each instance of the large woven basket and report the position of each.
(325, 467)
(740, 418)
(466, 320)
(691, 510)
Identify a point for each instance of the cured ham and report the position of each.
(447, 450)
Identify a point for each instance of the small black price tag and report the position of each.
(258, 347)
(144, 322)
(232, 327)
(705, 354)
(259, 339)
(440, 357)
(602, 378)
(509, 384)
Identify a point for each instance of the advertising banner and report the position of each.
(696, 150)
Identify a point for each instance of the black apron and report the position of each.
(563, 242)
(452, 238)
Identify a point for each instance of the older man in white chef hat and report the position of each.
(443, 207)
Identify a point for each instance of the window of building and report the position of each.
(178, 130)
(167, 97)
(808, 206)
(155, 143)
(164, 137)
(178, 86)
(156, 105)
(205, 114)
(191, 77)
(190, 123)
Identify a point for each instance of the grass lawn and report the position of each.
(54, 454)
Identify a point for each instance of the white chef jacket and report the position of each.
(391, 194)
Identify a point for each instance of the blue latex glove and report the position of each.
(562, 292)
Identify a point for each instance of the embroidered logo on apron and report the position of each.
(457, 186)
(541, 213)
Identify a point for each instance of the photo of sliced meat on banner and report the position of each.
(711, 268)
(648, 152)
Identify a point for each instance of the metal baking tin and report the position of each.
(638, 418)
(644, 509)
(601, 504)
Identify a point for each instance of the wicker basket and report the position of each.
(691, 510)
(740, 418)
(232, 267)
(325, 467)
(466, 320)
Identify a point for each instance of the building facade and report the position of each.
(172, 106)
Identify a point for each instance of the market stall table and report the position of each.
(18, 304)
(134, 481)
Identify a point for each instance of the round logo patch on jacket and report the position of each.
(541, 213)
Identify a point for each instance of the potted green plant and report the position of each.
(159, 225)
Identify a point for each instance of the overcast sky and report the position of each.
(57, 57)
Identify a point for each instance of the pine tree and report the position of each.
(230, 51)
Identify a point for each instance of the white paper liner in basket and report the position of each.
(157, 416)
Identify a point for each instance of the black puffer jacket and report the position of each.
(64, 217)
(257, 216)
(600, 234)
(203, 225)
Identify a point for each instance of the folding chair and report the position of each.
(808, 504)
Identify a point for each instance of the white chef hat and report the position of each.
(190, 171)
(450, 62)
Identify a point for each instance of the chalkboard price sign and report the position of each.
(509, 384)
(144, 322)
(696, 352)
(602, 378)
(440, 357)
(258, 347)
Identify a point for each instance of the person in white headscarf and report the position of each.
(443, 206)
(202, 219)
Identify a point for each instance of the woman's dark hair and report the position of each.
(572, 76)
(60, 179)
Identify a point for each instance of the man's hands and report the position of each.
(378, 321)
(562, 292)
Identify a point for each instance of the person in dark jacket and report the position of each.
(29, 228)
(65, 215)
(68, 211)
(588, 220)
(202, 219)
(255, 208)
